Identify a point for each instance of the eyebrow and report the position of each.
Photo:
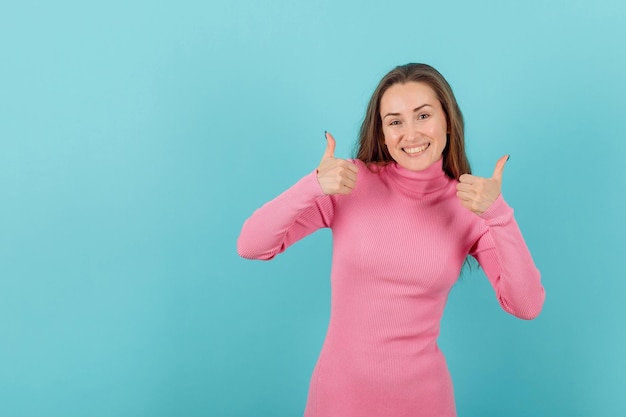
(414, 110)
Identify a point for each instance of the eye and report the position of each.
(394, 123)
(423, 116)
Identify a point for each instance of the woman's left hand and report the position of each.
(478, 193)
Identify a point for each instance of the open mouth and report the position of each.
(416, 149)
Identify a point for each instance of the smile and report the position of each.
(417, 149)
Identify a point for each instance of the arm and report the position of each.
(501, 249)
(299, 211)
(294, 214)
(504, 256)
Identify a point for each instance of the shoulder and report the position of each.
(368, 169)
(370, 174)
(370, 181)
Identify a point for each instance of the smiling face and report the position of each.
(414, 125)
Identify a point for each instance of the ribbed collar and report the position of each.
(422, 182)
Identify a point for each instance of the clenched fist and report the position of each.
(478, 193)
(336, 176)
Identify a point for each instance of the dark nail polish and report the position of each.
(508, 157)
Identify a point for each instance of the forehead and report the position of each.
(408, 95)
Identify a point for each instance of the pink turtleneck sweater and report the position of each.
(399, 242)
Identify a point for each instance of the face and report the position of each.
(414, 125)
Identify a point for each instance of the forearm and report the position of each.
(509, 264)
(295, 213)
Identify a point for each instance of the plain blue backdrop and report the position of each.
(136, 137)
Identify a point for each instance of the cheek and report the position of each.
(443, 142)
(390, 137)
(442, 135)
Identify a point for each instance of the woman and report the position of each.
(405, 214)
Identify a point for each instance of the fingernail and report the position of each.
(508, 157)
(325, 133)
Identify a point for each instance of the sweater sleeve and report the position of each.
(502, 253)
(294, 214)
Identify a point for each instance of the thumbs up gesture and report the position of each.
(478, 193)
(336, 176)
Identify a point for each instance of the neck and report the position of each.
(426, 181)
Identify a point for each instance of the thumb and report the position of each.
(330, 146)
(497, 172)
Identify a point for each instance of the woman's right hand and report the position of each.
(336, 176)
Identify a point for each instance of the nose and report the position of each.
(412, 133)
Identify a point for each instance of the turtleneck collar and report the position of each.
(422, 182)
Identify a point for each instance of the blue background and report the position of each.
(136, 137)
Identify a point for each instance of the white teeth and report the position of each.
(416, 150)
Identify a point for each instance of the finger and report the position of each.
(467, 179)
(499, 170)
(464, 196)
(465, 187)
(347, 179)
(353, 167)
(344, 188)
(349, 175)
(350, 183)
(330, 146)
(470, 204)
(349, 166)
